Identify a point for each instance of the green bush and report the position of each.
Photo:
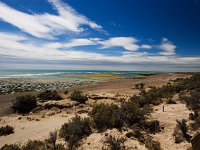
(115, 143)
(6, 130)
(75, 130)
(131, 112)
(10, 147)
(49, 95)
(78, 96)
(24, 104)
(106, 116)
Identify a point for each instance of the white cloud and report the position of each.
(21, 47)
(47, 25)
(128, 43)
(167, 47)
(144, 46)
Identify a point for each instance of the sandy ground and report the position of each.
(38, 126)
(168, 119)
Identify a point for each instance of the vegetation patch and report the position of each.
(106, 116)
(78, 96)
(115, 143)
(49, 95)
(10, 147)
(6, 130)
(24, 104)
(76, 129)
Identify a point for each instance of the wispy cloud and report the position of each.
(47, 25)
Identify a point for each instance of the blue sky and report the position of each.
(101, 35)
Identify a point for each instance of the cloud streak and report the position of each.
(47, 25)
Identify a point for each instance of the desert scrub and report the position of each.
(10, 147)
(49, 95)
(78, 96)
(180, 132)
(76, 129)
(115, 143)
(6, 130)
(34, 145)
(151, 127)
(143, 138)
(106, 116)
(131, 113)
(24, 104)
(139, 86)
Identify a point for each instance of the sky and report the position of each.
(137, 35)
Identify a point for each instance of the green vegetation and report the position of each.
(78, 96)
(6, 130)
(106, 116)
(49, 95)
(75, 130)
(24, 104)
(131, 113)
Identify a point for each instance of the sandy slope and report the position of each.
(168, 120)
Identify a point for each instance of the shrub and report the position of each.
(66, 92)
(131, 112)
(180, 132)
(78, 96)
(6, 130)
(193, 100)
(53, 138)
(34, 145)
(10, 147)
(150, 144)
(139, 86)
(24, 104)
(106, 116)
(152, 126)
(75, 130)
(196, 124)
(49, 95)
(115, 143)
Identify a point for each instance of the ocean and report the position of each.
(64, 73)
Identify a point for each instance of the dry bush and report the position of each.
(78, 96)
(115, 143)
(75, 130)
(106, 116)
(49, 95)
(6, 130)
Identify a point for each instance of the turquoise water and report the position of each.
(61, 73)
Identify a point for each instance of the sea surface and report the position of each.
(64, 73)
